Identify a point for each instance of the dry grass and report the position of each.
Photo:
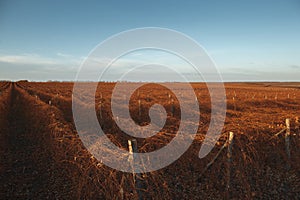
(258, 168)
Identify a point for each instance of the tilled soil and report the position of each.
(43, 158)
(28, 170)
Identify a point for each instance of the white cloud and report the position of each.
(64, 67)
(37, 67)
(35, 59)
(27, 59)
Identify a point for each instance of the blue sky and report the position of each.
(248, 40)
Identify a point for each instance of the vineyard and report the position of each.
(43, 157)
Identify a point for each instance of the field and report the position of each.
(43, 157)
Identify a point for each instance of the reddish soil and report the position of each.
(42, 156)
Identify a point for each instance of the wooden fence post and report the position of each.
(234, 104)
(100, 108)
(287, 141)
(172, 108)
(137, 177)
(229, 161)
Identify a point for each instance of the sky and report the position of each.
(249, 40)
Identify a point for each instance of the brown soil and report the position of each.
(42, 156)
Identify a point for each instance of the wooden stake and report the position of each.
(234, 105)
(229, 160)
(100, 108)
(121, 193)
(172, 108)
(138, 178)
(287, 141)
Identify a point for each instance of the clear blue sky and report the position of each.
(249, 40)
